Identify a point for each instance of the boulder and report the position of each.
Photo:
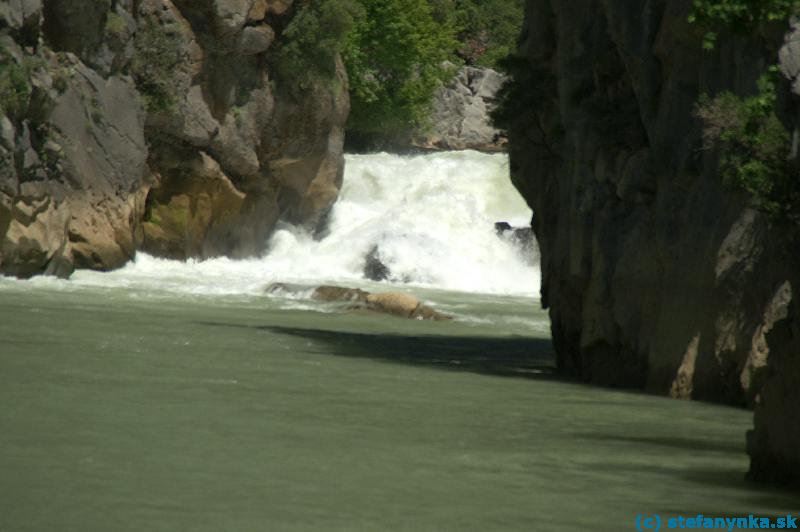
(404, 306)
(329, 294)
(392, 303)
(374, 268)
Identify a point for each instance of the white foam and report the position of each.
(432, 218)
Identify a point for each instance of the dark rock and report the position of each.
(656, 275)
(374, 268)
(502, 227)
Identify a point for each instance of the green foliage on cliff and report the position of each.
(157, 56)
(15, 89)
(486, 30)
(313, 39)
(738, 15)
(754, 147)
(395, 60)
(397, 53)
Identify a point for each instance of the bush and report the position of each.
(312, 40)
(754, 147)
(396, 58)
(738, 15)
(487, 30)
(15, 89)
(158, 54)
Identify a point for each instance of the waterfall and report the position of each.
(423, 220)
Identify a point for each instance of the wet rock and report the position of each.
(391, 303)
(403, 305)
(502, 227)
(329, 294)
(374, 268)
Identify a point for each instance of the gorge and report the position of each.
(174, 194)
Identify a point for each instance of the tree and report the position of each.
(396, 57)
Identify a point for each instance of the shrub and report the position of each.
(738, 15)
(15, 89)
(487, 30)
(754, 147)
(396, 58)
(312, 40)
(158, 54)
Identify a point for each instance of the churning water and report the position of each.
(429, 219)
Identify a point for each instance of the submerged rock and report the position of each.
(393, 303)
(339, 293)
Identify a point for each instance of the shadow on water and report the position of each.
(770, 497)
(499, 356)
(673, 442)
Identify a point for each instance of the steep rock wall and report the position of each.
(656, 275)
(155, 125)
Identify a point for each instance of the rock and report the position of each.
(774, 442)
(392, 303)
(281, 152)
(78, 199)
(338, 293)
(395, 303)
(256, 40)
(374, 268)
(218, 153)
(656, 275)
(22, 15)
(461, 113)
(502, 227)
(404, 306)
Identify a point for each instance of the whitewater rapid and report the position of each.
(430, 218)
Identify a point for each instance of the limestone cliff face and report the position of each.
(656, 275)
(155, 125)
(461, 113)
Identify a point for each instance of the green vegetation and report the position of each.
(15, 89)
(754, 147)
(397, 52)
(115, 25)
(738, 15)
(312, 40)
(487, 30)
(158, 54)
(395, 60)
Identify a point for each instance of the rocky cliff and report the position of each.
(656, 275)
(461, 113)
(155, 125)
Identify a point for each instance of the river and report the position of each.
(182, 396)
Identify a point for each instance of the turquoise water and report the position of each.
(127, 409)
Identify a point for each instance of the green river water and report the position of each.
(126, 410)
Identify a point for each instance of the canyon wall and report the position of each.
(156, 125)
(656, 275)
